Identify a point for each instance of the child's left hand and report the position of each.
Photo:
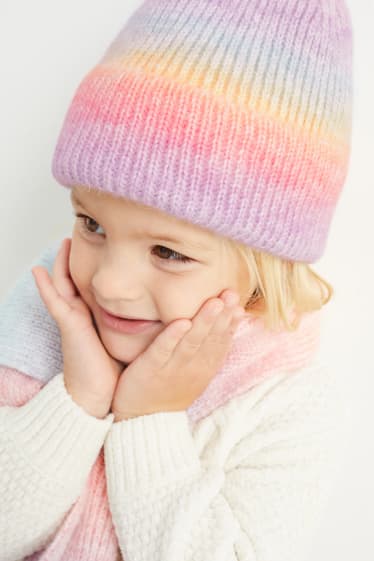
(179, 364)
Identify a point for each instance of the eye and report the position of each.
(85, 222)
(178, 256)
(83, 219)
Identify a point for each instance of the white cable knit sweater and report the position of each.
(249, 483)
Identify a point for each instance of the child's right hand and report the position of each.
(90, 373)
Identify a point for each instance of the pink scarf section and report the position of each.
(87, 532)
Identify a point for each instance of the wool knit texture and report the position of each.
(244, 473)
(234, 115)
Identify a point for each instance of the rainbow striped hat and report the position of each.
(235, 115)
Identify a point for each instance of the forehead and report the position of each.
(160, 222)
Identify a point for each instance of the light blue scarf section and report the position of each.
(29, 337)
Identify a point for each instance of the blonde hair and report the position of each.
(278, 288)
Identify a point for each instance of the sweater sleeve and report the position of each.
(47, 449)
(248, 483)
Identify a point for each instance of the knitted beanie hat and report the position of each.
(234, 115)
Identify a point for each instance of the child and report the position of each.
(205, 155)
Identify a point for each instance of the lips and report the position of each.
(123, 317)
(126, 325)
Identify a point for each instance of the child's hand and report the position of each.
(90, 373)
(178, 365)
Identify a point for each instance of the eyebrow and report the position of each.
(193, 245)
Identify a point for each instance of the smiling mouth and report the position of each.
(124, 325)
(128, 318)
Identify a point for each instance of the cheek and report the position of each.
(80, 265)
(183, 298)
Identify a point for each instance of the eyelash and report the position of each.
(83, 227)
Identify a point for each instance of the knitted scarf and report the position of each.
(30, 351)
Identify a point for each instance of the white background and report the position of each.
(46, 48)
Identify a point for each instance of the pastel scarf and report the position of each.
(31, 354)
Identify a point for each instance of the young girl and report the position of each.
(163, 397)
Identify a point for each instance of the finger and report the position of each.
(237, 317)
(61, 274)
(218, 341)
(212, 321)
(162, 348)
(224, 320)
(201, 325)
(57, 306)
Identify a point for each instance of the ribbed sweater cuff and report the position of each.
(143, 451)
(56, 435)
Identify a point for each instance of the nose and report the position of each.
(118, 279)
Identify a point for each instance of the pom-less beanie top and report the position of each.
(234, 115)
